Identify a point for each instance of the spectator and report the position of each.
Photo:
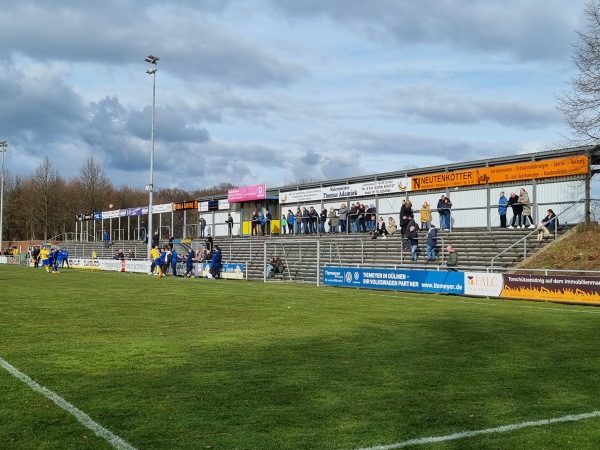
(381, 229)
(343, 214)
(451, 259)
(106, 239)
(502, 207)
(446, 213)
(391, 226)
(283, 226)
(171, 239)
(268, 220)
(299, 221)
(425, 216)
(202, 222)
(209, 243)
(517, 210)
(322, 220)
(371, 218)
(412, 238)
(229, 223)
(524, 201)
(440, 210)
(332, 220)
(291, 219)
(406, 213)
(352, 217)
(261, 222)
(131, 254)
(275, 266)
(119, 255)
(305, 220)
(254, 223)
(362, 219)
(314, 220)
(550, 221)
(431, 243)
(155, 239)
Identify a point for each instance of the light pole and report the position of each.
(149, 233)
(3, 147)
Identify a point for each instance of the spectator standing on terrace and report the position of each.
(361, 220)
(412, 238)
(406, 213)
(371, 218)
(502, 207)
(131, 254)
(352, 217)
(517, 210)
(332, 220)
(298, 221)
(425, 216)
(322, 220)
(305, 220)
(254, 220)
(451, 259)
(291, 219)
(343, 214)
(202, 226)
(446, 212)
(106, 239)
(262, 221)
(171, 239)
(431, 243)
(525, 202)
(314, 220)
(268, 220)
(155, 239)
(229, 223)
(440, 210)
(283, 226)
(209, 243)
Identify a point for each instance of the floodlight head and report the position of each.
(151, 72)
(152, 59)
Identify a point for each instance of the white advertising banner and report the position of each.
(367, 188)
(203, 206)
(223, 204)
(164, 208)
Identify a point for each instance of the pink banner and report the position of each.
(248, 193)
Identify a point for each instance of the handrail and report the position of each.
(524, 238)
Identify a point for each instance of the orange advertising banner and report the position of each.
(550, 168)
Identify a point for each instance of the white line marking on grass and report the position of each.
(82, 417)
(466, 434)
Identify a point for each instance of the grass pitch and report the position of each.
(204, 364)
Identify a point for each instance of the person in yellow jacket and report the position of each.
(425, 216)
(154, 253)
(45, 258)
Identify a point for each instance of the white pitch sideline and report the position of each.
(466, 434)
(82, 417)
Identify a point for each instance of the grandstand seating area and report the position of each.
(477, 248)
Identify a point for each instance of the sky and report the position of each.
(280, 91)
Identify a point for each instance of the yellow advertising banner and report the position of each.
(521, 172)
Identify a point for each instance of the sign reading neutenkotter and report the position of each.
(532, 170)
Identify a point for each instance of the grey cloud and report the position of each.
(523, 30)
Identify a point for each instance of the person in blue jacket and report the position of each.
(174, 257)
(215, 263)
(502, 207)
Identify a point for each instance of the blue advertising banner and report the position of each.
(399, 280)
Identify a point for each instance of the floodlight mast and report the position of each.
(3, 147)
(149, 232)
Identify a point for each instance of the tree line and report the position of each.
(44, 205)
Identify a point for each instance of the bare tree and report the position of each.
(581, 105)
(95, 186)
